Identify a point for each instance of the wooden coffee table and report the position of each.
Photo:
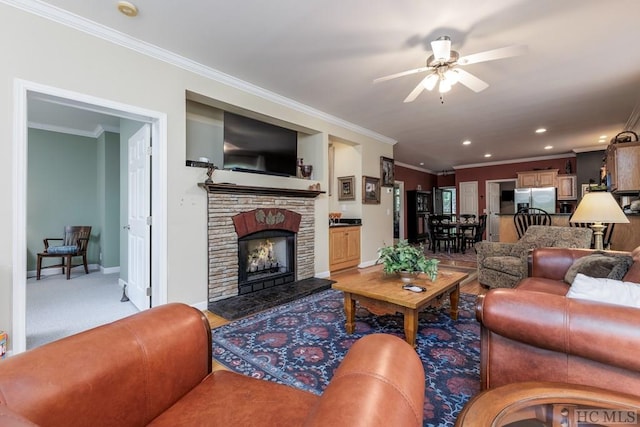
(382, 293)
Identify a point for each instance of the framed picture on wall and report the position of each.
(346, 188)
(386, 171)
(370, 190)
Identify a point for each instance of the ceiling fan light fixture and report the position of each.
(441, 48)
(430, 82)
(444, 86)
(452, 76)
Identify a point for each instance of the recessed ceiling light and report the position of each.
(548, 147)
(127, 8)
(541, 130)
(421, 163)
(603, 136)
(487, 155)
(467, 142)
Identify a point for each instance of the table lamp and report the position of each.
(596, 208)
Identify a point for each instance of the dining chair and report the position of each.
(443, 231)
(526, 217)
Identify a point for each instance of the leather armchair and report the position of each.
(503, 265)
(535, 333)
(154, 368)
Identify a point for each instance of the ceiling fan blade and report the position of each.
(416, 91)
(490, 55)
(471, 81)
(402, 74)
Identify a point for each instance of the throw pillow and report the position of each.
(599, 265)
(605, 290)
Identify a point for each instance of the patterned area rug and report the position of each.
(303, 342)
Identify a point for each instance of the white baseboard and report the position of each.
(366, 264)
(122, 283)
(54, 271)
(323, 274)
(110, 270)
(202, 306)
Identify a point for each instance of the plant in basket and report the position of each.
(407, 260)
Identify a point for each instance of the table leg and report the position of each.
(454, 297)
(350, 312)
(410, 326)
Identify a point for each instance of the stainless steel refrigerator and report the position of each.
(542, 198)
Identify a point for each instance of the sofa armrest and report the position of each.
(380, 382)
(604, 333)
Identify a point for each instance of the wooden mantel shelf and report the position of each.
(268, 191)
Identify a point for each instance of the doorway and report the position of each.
(398, 211)
(26, 91)
(499, 201)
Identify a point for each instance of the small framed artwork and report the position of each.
(346, 188)
(386, 171)
(370, 190)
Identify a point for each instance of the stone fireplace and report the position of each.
(258, 238)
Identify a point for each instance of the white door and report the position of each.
(493, 209)
(468, 198)
(139, 215)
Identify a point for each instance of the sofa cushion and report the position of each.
(600, 265)
(227, 398)
(605, 290)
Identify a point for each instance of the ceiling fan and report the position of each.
(444, 68)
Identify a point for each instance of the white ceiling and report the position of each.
(580, 78)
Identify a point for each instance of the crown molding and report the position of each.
(405, 165)
(507, 162)
(99, 130)
(79, 23)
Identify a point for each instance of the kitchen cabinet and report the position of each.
(344, 247)
(540, 178)
(567, 187)
(623, 167)
(418, 210)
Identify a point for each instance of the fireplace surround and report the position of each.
(235, 212)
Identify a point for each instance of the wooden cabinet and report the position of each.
(567, 187)
(541, 178)
(419, 206)
(623, 167)
(344, 247)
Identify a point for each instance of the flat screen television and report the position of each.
(254, 146)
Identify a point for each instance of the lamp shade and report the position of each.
(599, 206)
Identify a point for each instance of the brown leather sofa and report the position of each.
(535, 333)
(154, 368)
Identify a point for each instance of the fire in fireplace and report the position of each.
(265, 259)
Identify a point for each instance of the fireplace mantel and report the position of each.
(270, 191)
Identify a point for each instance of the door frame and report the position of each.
(158, 122)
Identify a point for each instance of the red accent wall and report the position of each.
(412, 178)
(506, 171)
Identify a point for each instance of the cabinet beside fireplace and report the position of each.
(344, 247)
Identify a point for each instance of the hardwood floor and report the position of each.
(472, 287)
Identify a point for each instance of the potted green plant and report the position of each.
(407, 260)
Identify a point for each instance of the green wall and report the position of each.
(73, 180)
